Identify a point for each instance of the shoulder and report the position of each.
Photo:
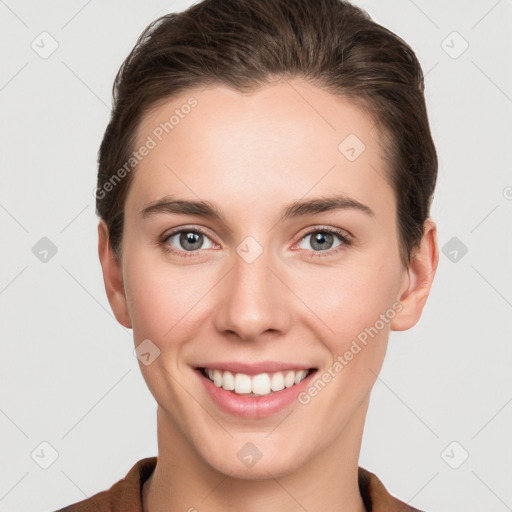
(375, 496)
(123, 496)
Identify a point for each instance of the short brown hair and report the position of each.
(246, 44)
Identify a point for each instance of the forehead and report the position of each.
(279, 143)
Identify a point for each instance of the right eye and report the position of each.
(189, 241)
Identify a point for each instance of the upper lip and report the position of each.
(254, 368)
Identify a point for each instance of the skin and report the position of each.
(251, 155)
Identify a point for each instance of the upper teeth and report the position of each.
(261, 384)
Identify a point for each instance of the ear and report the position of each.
(112, 277)
(415, 290)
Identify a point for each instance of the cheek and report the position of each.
(164, 302)
(356, 304)
(350, 298)
(162, 298)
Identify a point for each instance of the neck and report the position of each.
(183, 480)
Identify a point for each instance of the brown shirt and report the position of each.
(126, 495)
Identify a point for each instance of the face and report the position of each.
(262, 286)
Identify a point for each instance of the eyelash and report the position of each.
(345, 239)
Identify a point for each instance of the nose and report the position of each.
(253, 301)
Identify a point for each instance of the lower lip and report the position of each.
(253, 406)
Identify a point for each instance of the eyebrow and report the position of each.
(299, 208)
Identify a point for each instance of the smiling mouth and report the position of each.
(255, 385)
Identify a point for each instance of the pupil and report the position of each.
(321, 238)
(190, 238)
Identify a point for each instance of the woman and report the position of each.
(264, 190)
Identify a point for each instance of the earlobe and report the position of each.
(421, 273)
(112, 277)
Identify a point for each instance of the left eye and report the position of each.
(322, 240)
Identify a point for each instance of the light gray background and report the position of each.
(69, 376)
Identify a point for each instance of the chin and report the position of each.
(250, 459)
